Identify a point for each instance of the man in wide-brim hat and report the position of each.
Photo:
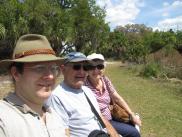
(34, 68)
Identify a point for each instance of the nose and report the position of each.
(82, 71)
(48, 77)
(48, 74)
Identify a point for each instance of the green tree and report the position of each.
(178, 45)
(156, 42)
(88, 24)
(2, 31)
(117, 44)
(138, 41)
(169, 39)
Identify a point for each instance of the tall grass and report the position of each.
(159, 103)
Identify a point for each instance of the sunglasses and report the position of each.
(77, 67)
(43, 69)
(99, 67)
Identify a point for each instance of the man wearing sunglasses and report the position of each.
(69, 99)
(34, 68)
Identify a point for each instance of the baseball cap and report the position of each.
(94, 56)
(75, 57)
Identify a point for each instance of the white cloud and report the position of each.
(121, 12)
(177, 3)
(165, 14)
(171, 23)
(165, 4)
(169, 8)
(174, 6)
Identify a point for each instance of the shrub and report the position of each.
(151, 70)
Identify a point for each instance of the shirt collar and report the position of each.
(14, 100)
(70, 89)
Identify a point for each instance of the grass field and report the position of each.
(159, 103)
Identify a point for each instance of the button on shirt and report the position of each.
(18, 120)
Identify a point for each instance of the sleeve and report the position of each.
(109, 85)
(3, 130)
(57, 105)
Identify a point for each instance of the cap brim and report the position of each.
(78, 60)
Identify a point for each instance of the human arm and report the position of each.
(111, 131)
(121, 102)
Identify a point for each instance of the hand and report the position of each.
(136, 119)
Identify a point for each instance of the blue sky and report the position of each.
(158, 14)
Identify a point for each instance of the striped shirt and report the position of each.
(103, 98)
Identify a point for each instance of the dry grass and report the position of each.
(6, 85)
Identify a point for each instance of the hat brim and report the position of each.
(31, 59)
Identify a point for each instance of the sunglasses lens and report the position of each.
(77, 66)
(91, 67)
(100, 66)
(86, 67)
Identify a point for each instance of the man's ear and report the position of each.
(15, 74)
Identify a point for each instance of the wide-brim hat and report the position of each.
(32, 48)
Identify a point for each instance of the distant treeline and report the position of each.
(79, 25)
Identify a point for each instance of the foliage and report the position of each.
(156, 42)
(2, 31)
(88, 24)
(151, 70)
(179, 41)
(136, 42)
(67, 23)
(80, 25)
(117, 44)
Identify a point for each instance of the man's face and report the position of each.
(75, 74)
(35, 83)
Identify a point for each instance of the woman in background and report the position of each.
(104, 91)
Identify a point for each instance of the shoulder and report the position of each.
(105, 78)
(87, 90)
(57, 89)
(5, 106)
(9, 112)
(89, 93)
